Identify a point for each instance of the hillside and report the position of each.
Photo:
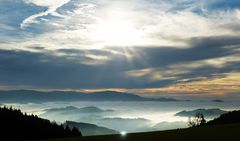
(90, 129)
(18, 126)
(208, 113)
(228, 132)
(224, 128)
(227, 118)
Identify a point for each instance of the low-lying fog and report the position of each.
(122, 116)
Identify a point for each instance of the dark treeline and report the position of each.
(14, 125)
(227, 118)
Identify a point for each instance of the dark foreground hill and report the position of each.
(224, 128)
(228, 132)
(16, 126)
(227, 118)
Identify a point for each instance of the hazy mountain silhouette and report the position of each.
(89, 109)
(74, 111)
(217, 100)
(18, 126)
(90, 114)
(208, 113)
(25, 96)
(90, 129)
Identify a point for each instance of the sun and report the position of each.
(117, 31)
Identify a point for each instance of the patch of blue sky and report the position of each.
(13, 12)
(222, 4)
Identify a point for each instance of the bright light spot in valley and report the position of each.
(123, 133)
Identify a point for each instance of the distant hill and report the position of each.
(71, 110)
(90, 114)
(90, 109)
(17, 126)
(63, 109)
(16, 96)
(217, 100)
(208, 113)
(90, 129)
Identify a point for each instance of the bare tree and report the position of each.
(197, 120)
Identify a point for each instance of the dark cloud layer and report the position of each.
(72, 70)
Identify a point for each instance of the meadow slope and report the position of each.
(227, 132)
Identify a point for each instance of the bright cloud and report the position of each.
(129, 23)
(141, 44)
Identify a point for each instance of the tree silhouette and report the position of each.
(197, 120)
(14, 125)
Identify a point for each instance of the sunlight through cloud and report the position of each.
(117, 30)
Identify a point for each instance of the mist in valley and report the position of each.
(122, 116)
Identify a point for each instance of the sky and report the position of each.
(170, 48)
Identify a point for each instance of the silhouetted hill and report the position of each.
(16, 96)
(63, 109)
(14, 125)
(90, 129)
(74, 111)
(208, 113)
(227, 118)
(227, 132)
(217, 100)
(89, 109)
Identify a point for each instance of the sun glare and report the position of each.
(117, 31)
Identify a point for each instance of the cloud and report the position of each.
(72, 23)
(52, 7)
(53, 44)
(46, 70)
(139, 67)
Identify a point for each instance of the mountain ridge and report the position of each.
(42, 96)
(209, 113)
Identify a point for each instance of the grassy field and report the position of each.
(230, 132)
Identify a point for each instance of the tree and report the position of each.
(76, 132)
(197, 120)
(21, 127)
